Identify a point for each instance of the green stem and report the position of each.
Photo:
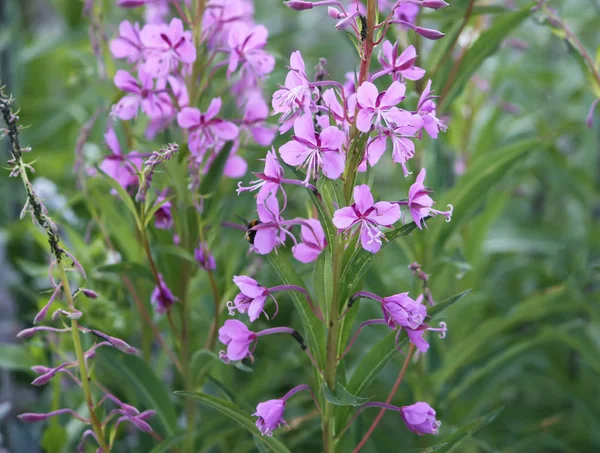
(333, 331)
(81, 361)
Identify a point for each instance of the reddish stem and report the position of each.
(387, 401)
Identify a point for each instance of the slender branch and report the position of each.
(390, 397)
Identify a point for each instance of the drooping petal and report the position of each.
(393, 95)
(332, 163)
(364, 119)
(248, 286)
(293, 153)
(369, 243)
(304, 128)
(304, 253)
(265, 240)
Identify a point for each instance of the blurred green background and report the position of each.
(520, 368)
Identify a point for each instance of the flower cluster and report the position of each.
(339, 130)
(61, 289)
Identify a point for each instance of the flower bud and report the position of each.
(434, 4)
(31, 417)
(44, 378)
(89, 293)
(26, 333)
(130, 3)
(429, 33)
(298, 5)
(335, 13)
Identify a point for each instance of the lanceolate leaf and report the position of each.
(128, 373)
(236, 414)
(313, 328)
(486, 45)
(481, 178)
(341, 396)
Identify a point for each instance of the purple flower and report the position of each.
(269, 232)
(256, 112)
(407, 12)
(162, 297)
(400, 310)
(426, 108)
(251, 299)
(236, 336)
(204, 258)
(420, 418)
(270, 416)
(420, 203)
(121, 168)
(295, 98)
(313, 242)
(154, 103)
(368, 216)
(205, 129)
(378, 108)
(163, 219)
(128, 44)
(315, 150)
(222, 16)
(246, 46)
(268, 182)
(167, 46)
(399, 65)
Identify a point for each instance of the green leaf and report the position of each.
(341, 396)
(54, 438)
(473, 187)
(179, 252)
(214, 175)
(531, 310)
(322, 278)
(130, 373)
(16, 357)
(127, 268)
(454, 439)
(485, 46)
(236, 414)
(313, 327)
(124, 197)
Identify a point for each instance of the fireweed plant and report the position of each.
(340, 130)
(166, 67)
(66, 275)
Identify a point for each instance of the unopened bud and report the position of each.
(298, 5)
(429, 33)
(89, 293)
(434, 4)
(31, 417)
(26, 333)
(130, 3)
(335, 13)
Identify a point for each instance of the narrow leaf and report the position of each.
(232, 411)
(341, 396)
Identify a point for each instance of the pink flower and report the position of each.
(128, 44)
(426, 108)
(400, 310)
(204, 258)
(270, 416)
(399, 65)
(420, 418)
(295, 98)
(368, 216)
(256, 112)
(420, 203)
(407, 12)
(236, 336)
(251, 299)
(269, 232)
(205, 129)
(315, 150)
(246, 46)
(163, 219)
(121, 168)
(162, 297)
(167, 46)
(268, 182)
(154, 103)
(222, 16)
(378, 108)
(313, 244)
